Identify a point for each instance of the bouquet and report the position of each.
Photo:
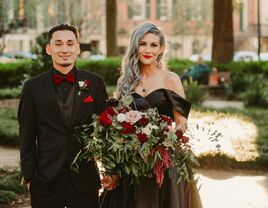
(136, 143)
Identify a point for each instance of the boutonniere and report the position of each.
(83, 86)
(88, 99)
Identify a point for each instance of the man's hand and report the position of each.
(27, 183)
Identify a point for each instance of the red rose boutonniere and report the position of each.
(83, 86)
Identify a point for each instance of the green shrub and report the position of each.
(7, 197)
(179, 65)
(242, 67)
(7, 93)
(43, 61)
(9, 127)
(256, 92)
(10, 186)
(194, 93)
(12, 182)
(108, 69)
(13, 74)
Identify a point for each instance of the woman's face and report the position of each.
(149, 49)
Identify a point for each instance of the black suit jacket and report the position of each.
(47, 147)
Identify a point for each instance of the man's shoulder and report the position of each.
(37, 78)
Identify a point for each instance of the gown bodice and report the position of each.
(164, 100)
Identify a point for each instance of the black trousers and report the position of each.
(68, 197)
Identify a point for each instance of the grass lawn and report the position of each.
(243, 137)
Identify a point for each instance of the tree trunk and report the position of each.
(223, 38)
(111, 39)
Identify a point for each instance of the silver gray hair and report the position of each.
(130, 70)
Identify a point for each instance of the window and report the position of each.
(164, 9)
(138, 10)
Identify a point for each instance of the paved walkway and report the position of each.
(222, 189)
(219, 104)
(218, 189)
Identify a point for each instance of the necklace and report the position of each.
(143, 89)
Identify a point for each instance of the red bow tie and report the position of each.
(58, 78)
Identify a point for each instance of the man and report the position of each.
(198, 72)
(51, 105)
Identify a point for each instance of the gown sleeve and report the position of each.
(179, 103)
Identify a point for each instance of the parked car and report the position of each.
(20, 55)
(238, 56)
(97, 57)
(25, 55)
(264, 56)
(4, 58)
(245, 56)
(205, 57)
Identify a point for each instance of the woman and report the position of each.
(145, 77)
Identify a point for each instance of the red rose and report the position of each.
(143, 121)
(184, 139)
(86, 83)
(166, 119)
(142, 137)
(110, 111)
(105, 119)
(166, 129)
(127, 128)
(179, 133)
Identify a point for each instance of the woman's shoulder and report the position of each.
(171, 77)
(173, 82)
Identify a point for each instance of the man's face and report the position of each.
(63, 49)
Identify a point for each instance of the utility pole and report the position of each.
(259, 29)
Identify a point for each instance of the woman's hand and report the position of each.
(110, 182)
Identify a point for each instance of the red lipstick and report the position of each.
(147, 57)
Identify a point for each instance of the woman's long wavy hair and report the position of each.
(130, 70)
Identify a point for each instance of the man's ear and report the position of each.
(79, 49)
(48, 49)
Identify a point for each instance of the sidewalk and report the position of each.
(222, 189)
(219, 104)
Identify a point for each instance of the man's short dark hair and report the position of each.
(62, 26)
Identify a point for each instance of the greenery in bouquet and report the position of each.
(136, 143)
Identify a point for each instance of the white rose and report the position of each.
(121, 117)
(81, 83)
(153, 126)
(147, 130)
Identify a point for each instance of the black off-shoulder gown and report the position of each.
(146, 193)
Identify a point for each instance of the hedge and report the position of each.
(13, 74)
(10, 186)
(9, 127)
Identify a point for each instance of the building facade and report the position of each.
(187, 24)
